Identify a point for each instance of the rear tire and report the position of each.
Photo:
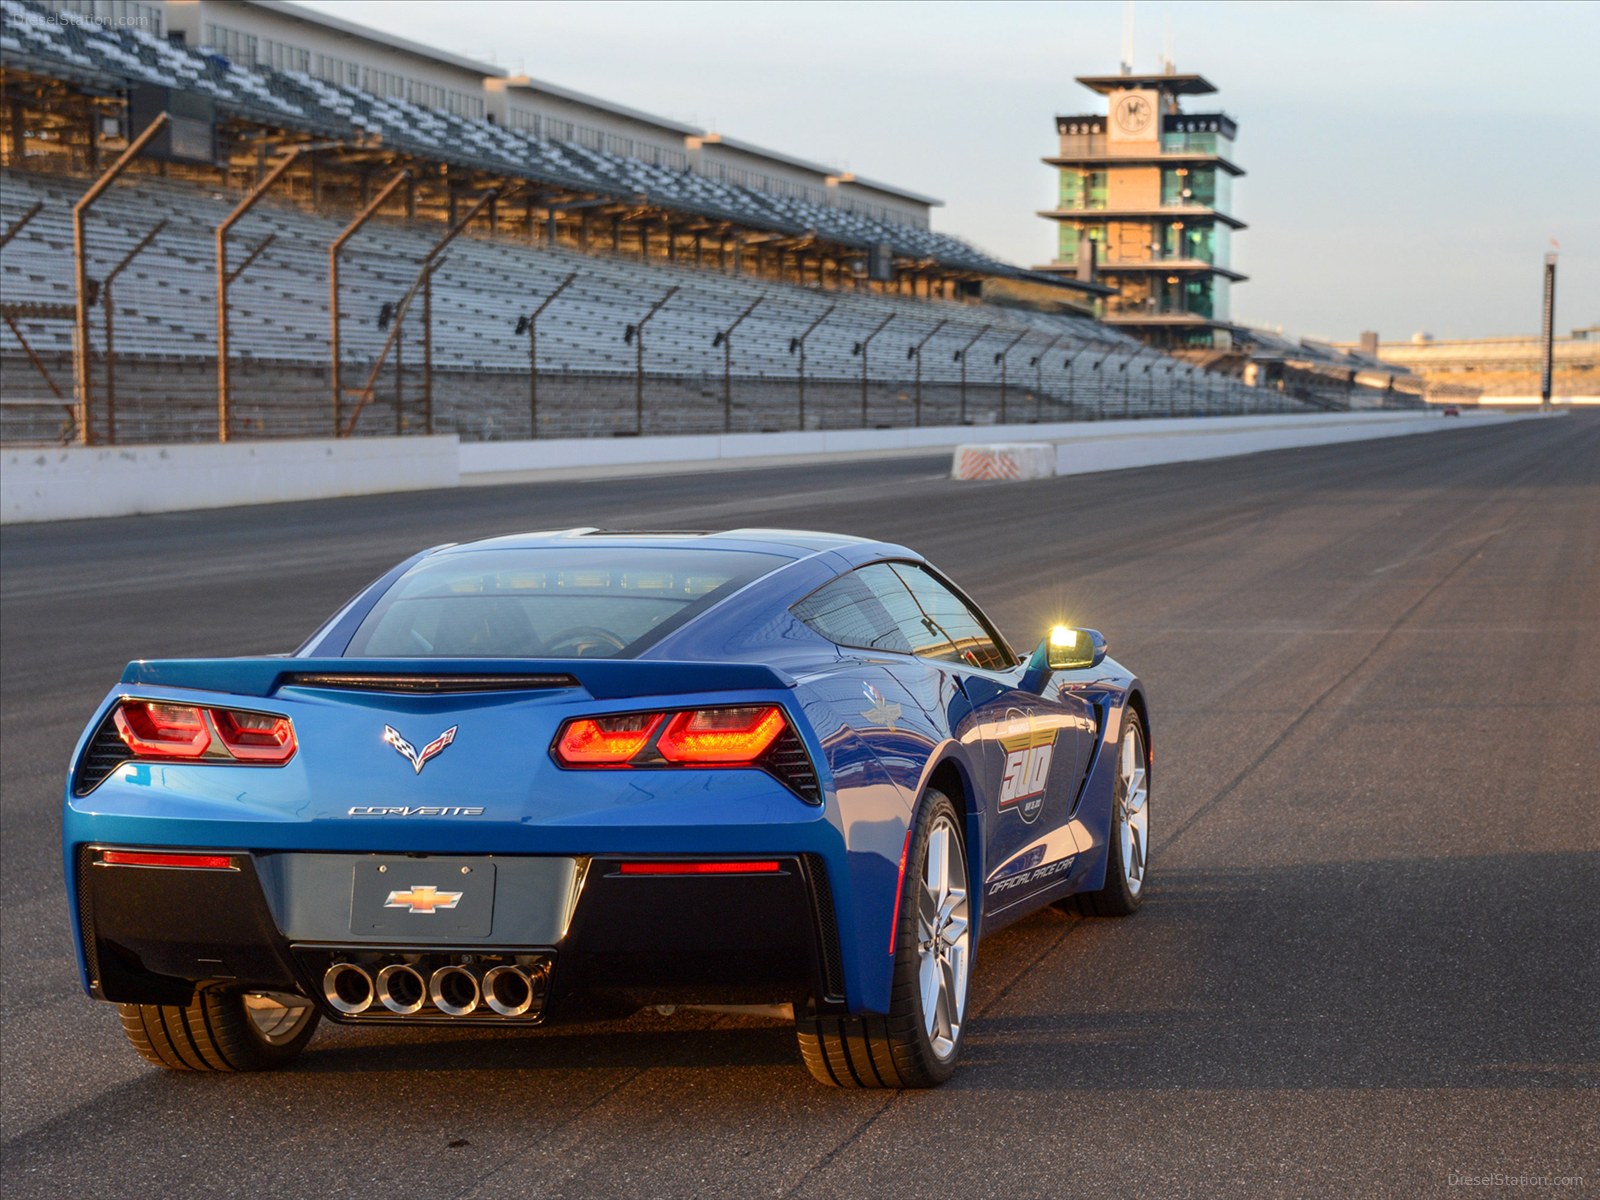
(221, 1029)
(1128, 849)
(932, 965)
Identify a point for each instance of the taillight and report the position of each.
(255, 737)
(732, 736)
(721, 735)
(599, 741)
(156, 729)
(736, 735)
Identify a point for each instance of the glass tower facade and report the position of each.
(1145, 205)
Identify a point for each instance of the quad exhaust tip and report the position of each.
(508, 991)
(348, 988)
(401, 989)
(454, 991)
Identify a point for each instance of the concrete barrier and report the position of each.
(1004, 460)
(1099, 448)
(67, 482)
(63, 483)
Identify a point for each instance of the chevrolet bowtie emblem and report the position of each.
(412, 756)
(422, 899)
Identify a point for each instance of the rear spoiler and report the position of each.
(601, 678)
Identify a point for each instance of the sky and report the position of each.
(1407, 164)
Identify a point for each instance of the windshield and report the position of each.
(567, 602)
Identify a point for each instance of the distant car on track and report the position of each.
(568, 774)
(1450, 410)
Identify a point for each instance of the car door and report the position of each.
(1033, 749)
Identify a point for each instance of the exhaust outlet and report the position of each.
(508, 991)
(454, 991)
(401, 989)
(347, 988)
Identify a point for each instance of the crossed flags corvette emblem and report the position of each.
(419, 759)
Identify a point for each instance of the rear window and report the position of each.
(550, 603)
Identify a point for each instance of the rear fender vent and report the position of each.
(788, 761)
(103, 755)
(428, 684)
(827, 927)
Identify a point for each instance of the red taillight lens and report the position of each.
(721, 735)
(140, 858)
(255, 737)
(595, 741)
(154, 730)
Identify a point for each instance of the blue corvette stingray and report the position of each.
(566, 775)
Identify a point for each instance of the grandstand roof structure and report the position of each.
(70, 72)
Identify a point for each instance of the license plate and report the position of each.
(428, 897)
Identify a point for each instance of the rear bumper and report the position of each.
(149, 934)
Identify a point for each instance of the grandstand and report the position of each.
(842, 317)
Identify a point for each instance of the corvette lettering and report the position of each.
(408, 810)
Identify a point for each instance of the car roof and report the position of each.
(791, 543)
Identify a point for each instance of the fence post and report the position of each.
(530, 323)
(109, 308)
(80, 269)
(916, 352)
(635, 334)
(799, 343)
(961, 357)
(862, 347)
(349, 231)
(1001, 359)
(725, 339)
(224, 278)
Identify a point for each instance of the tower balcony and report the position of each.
(1187, 212)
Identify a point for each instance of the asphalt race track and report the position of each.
(1369, 963)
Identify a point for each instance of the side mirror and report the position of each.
(1063, 649)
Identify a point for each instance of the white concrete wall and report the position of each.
(1187, 440)
(61, 483)
(57, 483)
(1113, 443)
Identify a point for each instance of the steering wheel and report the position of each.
(581, 641)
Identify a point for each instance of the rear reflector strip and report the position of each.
(139, 858)
(699, 868)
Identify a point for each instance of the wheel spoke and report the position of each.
(947, 1000)
(938, 872)
(1136, 791)
(929, 979)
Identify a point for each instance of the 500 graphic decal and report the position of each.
(1029, 752)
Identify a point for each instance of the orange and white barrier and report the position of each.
(1004, 460)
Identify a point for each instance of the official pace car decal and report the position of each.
(412, 756)
(1029, 749)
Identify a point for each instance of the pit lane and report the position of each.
(1367, 961)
